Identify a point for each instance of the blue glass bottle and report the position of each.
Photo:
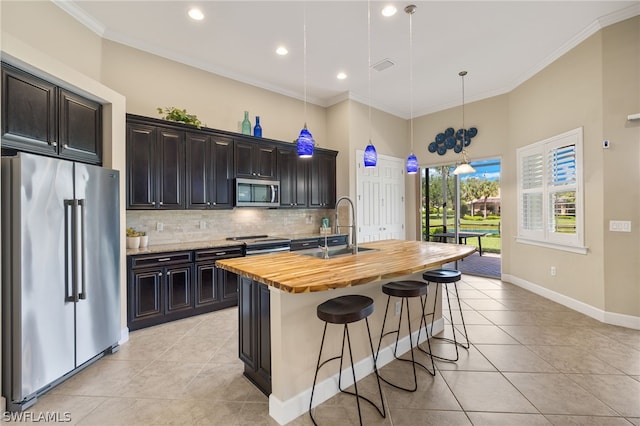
(257, 129)
(246, 124)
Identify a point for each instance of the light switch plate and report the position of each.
(620, 225)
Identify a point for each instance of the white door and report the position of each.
(380, 199)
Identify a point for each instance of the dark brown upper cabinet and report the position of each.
(292, 174)
(40, 117)
(322, 180)
(155, 167)
(209, 171)
(255, 159)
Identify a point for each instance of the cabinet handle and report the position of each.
(164, 259)
(208, 203)
(159, 274)
(222, 253)
(168, 273)
(214, 204)
(54, 143)
(65, 146)
(161, 203)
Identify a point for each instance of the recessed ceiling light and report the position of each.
(196, 14)
(282, 51)
(389, 10)
(341, 76)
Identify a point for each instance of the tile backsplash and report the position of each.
(203, 225)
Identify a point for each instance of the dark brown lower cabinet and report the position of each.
(168, 286)
(255, 332)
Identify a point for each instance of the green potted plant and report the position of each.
(136, 239)
(177, 114)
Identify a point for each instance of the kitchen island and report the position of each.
(280, 332)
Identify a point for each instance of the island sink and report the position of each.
(344, 251)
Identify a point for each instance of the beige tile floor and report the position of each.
(531, 362)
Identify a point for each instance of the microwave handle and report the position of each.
(273, 193)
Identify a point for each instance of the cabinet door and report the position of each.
(243, 159)
(228, 283)
(247, 324)
(265, 161)
(198, 173)
(179, 293)
(322, 181)
(255, 159)
(292, 171)
(206, 285)
(80, 124)
(28, 112)
(264, 334)
(170, 157)
(222, 185)
(141, 166)
(145, 297)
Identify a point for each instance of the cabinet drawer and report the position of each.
(306, 243)
(337, 240)
(140, 261)
(219, 253)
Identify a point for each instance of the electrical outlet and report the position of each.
(398, 305)
(553, 271)
(159, 226)
(203, 224)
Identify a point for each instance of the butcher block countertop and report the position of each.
(293, 272)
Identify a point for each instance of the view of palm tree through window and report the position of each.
(479, 204)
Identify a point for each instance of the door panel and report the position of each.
(98, 310)
(43, 337)
(178, 289)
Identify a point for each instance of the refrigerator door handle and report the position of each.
(83, 240)
(74, 247)
(69, 291)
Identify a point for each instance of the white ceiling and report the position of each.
(500, 43)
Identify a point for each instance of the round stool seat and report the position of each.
(405, 288)
(345, 309)
(442, 276)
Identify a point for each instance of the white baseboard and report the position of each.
(285, 411)
(613, 318)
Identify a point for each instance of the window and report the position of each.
(550, 191)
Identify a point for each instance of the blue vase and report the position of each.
(257, 130)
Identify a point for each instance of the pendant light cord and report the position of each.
(411, 72)
(304, 58)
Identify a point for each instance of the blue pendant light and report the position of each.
(412, 161)
(412, 164)
(305, 143)
(370, 156)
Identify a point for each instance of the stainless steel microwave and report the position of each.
(257, 193)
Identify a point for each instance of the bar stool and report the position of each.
(444, 277)
(345, 310)
(406, 290)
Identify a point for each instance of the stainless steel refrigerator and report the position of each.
(60, 271)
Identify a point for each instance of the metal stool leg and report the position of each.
(423, 302)
(347, 339)
(453, 328)
(404, 303)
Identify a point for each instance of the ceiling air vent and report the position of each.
(383, 64)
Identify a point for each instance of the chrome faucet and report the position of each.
(353, 226)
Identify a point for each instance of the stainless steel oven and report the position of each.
(257, 193)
